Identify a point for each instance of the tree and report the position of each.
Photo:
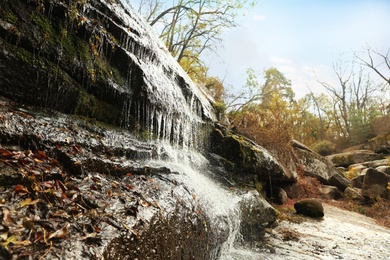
(381, 68)
(353, 106)
(189, 27)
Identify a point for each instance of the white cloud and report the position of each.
(278, 60)
(259, 17)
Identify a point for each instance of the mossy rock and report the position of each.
(310, 207)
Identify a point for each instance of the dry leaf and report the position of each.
(21, 188)
(37, 160)
(28, 202)
(7, 218)
(61, 233)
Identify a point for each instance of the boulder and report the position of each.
(357, 182)
(279, 196)
(340, 181)
(309, 207)
(354, 157)
(249, 158)
(380, 144)
(377, 163)
(330, 192)
(256, 214)
(375, 184)
(384, 169)
(314, 165)
(353, 193)
(356, 169)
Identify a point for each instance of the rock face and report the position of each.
(314, 165)
(257, 214)
(94, 58)
(340, 181)
(355, 157)
(246, 158)
(98, 191)
(375, 184)
(311, 208)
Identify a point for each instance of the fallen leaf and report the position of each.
(28, 202)
(145, 203)
(11, 239)
(21, 188)
(40, 155)
(4, 236)
(61, 233)
(5, 153)
(38, 160)
(7, 218)
(97, 229)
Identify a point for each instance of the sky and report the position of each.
(302, 39)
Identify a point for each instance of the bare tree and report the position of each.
(189, 27)
(381, 67)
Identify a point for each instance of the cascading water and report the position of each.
(176, 116)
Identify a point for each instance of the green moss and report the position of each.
(89, 106)
(8, 16)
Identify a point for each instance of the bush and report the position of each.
(324, 148)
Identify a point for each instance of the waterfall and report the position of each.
(176, 115)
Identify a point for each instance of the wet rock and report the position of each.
(310, 207)
(8, 175)
(257, 214)
(330, 192)
(248, 158)
(109, 66)
(375, 184)
(353, 193)
(314, 165)
(354, 157)
(340, 181)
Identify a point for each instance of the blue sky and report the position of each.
(301, 38)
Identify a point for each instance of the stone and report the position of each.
(256, 215)
(314, 165)
(384, 169)
(377, 163)
(375, 184)
(340, 181)
(359, 156)
(380, 144)
(309, 207)
(357, 182)
(249, 158)
(330, 192)
(353, 193)
(279, 196)
(356, 169)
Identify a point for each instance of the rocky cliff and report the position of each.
(93, 58)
